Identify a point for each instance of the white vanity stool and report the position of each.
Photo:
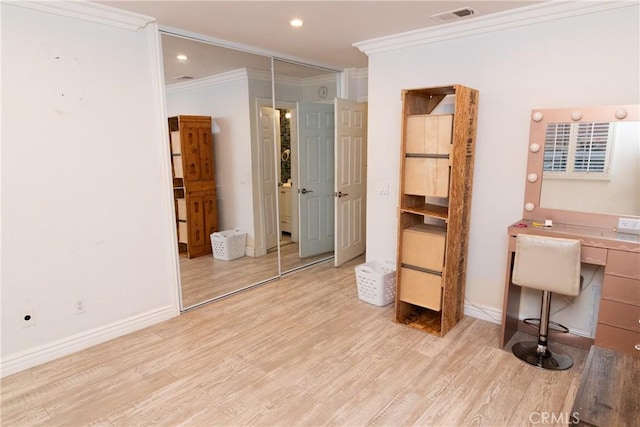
(549, 264)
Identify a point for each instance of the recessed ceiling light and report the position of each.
(182, 57)
(296, 22)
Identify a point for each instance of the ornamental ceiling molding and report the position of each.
(538, 13)
(89, 11)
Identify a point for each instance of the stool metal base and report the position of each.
(554, 360)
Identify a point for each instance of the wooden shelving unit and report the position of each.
(194, 186)
(436, 175)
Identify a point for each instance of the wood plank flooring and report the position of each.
(204, 278)
(302, 350)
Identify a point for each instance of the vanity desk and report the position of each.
(619, 315)
(583, 178)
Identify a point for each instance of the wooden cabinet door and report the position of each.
(197, 150)
(210, 214)
(206, 153)
(197, 232)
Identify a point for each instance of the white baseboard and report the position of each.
(47, 352)
(490, 314)
(494, 315)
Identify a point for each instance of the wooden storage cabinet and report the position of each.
(436, 174)
(619, 315)
(193, 169)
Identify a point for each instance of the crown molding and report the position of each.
(88, 11)
(538, 13)
(357, 73)
(245, 74)
(177, 32)
(307, 81)
(259, 75)
(218, 79)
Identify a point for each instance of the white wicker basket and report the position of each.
(228, 244)
(377, 282)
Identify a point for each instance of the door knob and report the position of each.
(305, 191)
(341, 194)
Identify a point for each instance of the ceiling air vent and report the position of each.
(455, 14)
(182, 78)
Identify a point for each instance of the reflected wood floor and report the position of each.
(204, 278)
(302, 350)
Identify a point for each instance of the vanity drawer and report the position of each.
(285, 224)
(619, 315)
(625, 264)
(423, 247)
(591, 255)
(420, 288)
(621, 289)
(621, 340)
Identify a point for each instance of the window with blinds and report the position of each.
(578, 150)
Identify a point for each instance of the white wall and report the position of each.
(85, 178)
(544, 65)
(227, 102)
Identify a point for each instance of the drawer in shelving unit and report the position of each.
(175, 142)
(619, 315)
(420, 288)
(621, 289)
(182, 209)
(183, 233)
(423, 246)
(429, 134)
(426, 176)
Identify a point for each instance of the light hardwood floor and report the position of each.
(204, 278)
(302, 350)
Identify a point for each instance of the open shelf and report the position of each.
(420, 318)
(435, 211)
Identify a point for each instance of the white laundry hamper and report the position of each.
(377, 282)
(229, 244)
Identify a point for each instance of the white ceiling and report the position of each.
(329, 31)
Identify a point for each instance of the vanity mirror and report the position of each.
(583, 165)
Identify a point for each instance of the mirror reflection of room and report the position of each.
(306, 163)
(256, 164)
(218, 84)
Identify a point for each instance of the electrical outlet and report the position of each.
(80, 306)
(629, 224)
(28, 319)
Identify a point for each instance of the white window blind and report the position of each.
(578, 150)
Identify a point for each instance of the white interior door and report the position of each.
(269, 129)
(350, 179)
(316, 178)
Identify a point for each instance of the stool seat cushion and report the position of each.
(548, 264)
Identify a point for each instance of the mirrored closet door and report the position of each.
(232, 88)
(304, 103)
